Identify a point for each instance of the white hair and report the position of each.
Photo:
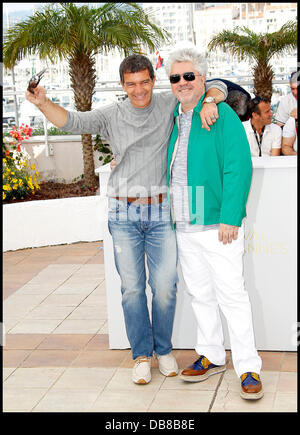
(187, 55)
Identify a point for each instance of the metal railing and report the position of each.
(114, 86)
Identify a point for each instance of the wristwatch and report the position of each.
(209, 100)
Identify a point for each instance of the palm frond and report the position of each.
(77, 33)
(260, 47)
(231, 41)
(283, 40)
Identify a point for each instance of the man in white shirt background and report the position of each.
(289, 137)
(288, 105)
(264, 137)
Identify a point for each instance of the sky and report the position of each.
(13, 7)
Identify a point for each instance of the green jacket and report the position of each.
(219, 168)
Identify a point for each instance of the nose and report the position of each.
(140, 87)
(182, 78)
(182, 82)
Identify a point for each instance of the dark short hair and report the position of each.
(294, 77)
(253, 104)
(135, 63)
(238, 101)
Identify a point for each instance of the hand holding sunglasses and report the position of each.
(35, 80)
(188, 76)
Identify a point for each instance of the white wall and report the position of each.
(66, 162)
(34, 224)
(270, 265)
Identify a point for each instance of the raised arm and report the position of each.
(90, 122)
(53, 112)
(209, 112)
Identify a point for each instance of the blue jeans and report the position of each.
(138, 230)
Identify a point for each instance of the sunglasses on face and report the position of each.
(188, 76)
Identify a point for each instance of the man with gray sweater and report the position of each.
(138, 130)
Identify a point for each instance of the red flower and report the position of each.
(26, 130)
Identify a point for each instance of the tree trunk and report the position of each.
(83, 80)
(263, 76)
(90, 178)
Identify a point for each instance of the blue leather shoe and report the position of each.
(251, 386)
(201, 370)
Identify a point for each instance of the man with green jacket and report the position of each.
(209, 176)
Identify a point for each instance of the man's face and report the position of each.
(188, 93)
(265, 115)
(294, 89)
(138, 87)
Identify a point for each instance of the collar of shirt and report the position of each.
(197, 109)
(181, 112)
(250, 129)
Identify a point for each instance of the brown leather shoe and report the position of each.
(201, 370)
(251, 386)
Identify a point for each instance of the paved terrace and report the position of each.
(57, 357)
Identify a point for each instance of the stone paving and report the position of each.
(56, 355)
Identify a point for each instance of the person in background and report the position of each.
(289, 137)
(288, 104)
(237, 98)
(209, 176)
(264, 137)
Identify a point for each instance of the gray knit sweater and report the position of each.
(138, 138)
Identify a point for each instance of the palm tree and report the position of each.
(259, 48)
(78, 34)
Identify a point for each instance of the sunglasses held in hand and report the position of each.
(188, 76)
(35, 80)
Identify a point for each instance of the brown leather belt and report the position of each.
(144, 200)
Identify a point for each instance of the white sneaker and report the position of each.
(141, 372)
(167, 364)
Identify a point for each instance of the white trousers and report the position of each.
(213, 274)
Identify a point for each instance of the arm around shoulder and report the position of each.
(216, 89)
(209, 112)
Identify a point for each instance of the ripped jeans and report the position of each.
(139, 232)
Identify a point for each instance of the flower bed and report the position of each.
(20, 178)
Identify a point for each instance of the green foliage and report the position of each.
(76, 34)
(259, 47)
(103, 148)
(52, 131)
(40, 131)
(19, 178)
(63, 30)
